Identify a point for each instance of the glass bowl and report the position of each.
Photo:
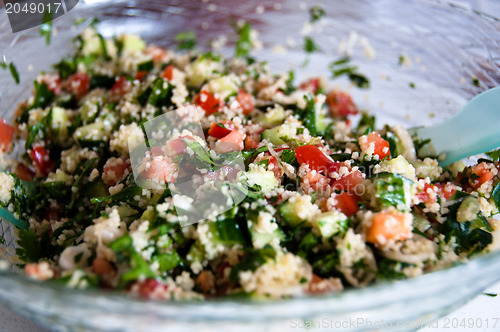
(447, 48)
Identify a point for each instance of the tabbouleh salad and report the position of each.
(332, 202)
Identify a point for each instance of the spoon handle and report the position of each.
(474, 129)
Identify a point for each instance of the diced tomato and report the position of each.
(480, 175)
(445, 190)
(251, 143)
(178, 144)
(208, 102)
(140, 75)
(156, 52)
(102, 266)
(386, 226)
(311, 85)
(161, 170)
(317, 181)
(41, 160)
(157, 151)
(318, 285)
(316, 159)
(51, 214)
(427, 195)
(53, 82)
(79, 84)
(340, 104)
(24, 173)
(218, 130)
(246, 101)
(151, 289)
(6, 135)
(122, 86)
(114, 170)
(350, 183)
(231, 142)
(347, 203)
(274, 166)
(381, 146)
(168, 73)
(205, 281)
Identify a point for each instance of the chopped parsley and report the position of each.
(186, 40)
(12, 69)
(316, 13)
(341, 67)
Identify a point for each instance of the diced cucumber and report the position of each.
(224, 86)
(91, 134)
(226, 231)
(420, 222)
(265, 180)
(59, 176)
(59, 124)
(89, 111)
(132, 43)
(272, 117)
(456, 167)
(291, 210)
(279, 135)
(200, 71)
(399, 165)
(97, 188)
(259, 239)
(195, 253)
(148, 215)
(427, 169)
(468, 209)
(404, 143)
(332, 223)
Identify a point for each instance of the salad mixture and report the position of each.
(330, 201)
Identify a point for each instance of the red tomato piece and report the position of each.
(79, 84)
(347, 203)
(350, 183)
(122, 86)
(102, 266)
(24, 173)
(387, 226)
(316, 159)
(424, 196)
(311, 85)
(340, 104)
(114, 170)
(161, 170)
(246, 101)
(53, 82)
(141, 74)
(482, 175)
(208, 102)
(251, 143)
(151, 288)
(6, 135)
(168, 73)
(445, 190)
(231, 142)
(156, 52)
(41, 160)
(381, 146)
(218, 131)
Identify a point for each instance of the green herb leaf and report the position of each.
(391, 190)
(341, 67)
(244, 43)
(186, 40)
(309, 45)
(46, 27)
(252, 262)
(494, 155)
(316, 13)
(12, 69)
